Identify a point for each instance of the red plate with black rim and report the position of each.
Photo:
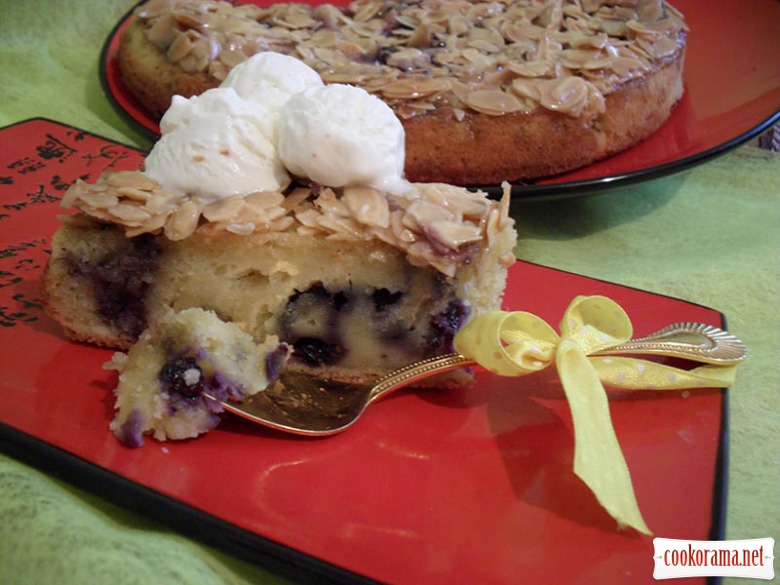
(732, 94)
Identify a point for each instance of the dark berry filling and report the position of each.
(120, 281)
(184, 380)
(222, 388)
(310, 324)
(313, 320)
(316, 352)
(444, 326)
(129, 433)
(183, 376)
(383, 299)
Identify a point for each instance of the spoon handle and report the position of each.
(704, 343)
(698, 341)
(418, 371)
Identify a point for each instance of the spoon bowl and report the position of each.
(306, 405)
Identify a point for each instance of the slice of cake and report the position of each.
(281, 211)
(356, 281)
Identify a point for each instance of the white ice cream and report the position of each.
(271, 79)
(271, 112)
(341, 135)
(216, 145)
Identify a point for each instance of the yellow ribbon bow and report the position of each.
(519, 343)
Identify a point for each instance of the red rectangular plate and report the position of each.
(457, 486)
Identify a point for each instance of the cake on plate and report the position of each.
(487, 91)
(276, 227)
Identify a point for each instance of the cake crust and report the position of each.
(152, 78)
(484, 150)
(479, 125)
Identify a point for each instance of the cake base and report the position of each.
(349, 312)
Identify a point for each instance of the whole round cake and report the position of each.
(487, 91)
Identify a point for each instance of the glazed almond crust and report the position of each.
(484, 150)
(632, 83)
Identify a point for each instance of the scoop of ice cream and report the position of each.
(271, 79)
(216, 145)
(340, 135)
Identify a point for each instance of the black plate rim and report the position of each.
(601, 185)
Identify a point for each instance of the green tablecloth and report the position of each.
(709, 235)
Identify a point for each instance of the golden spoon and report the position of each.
(306, 405)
